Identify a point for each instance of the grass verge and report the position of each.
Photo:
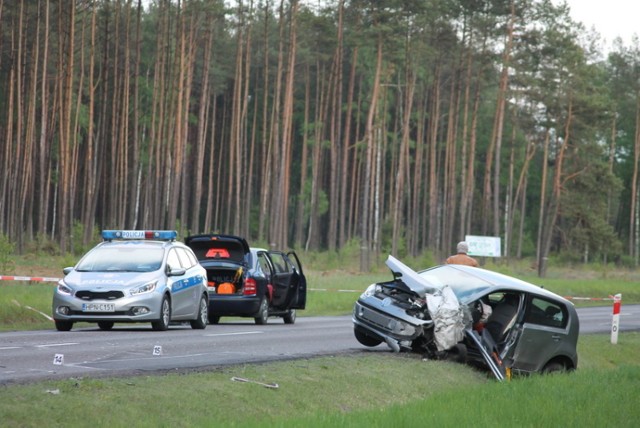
(378, 389)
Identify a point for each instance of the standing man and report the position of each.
(462, 258)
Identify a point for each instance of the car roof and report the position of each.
(496, 281)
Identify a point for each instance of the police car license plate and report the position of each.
(98, 307)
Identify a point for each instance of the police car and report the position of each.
(133, 276)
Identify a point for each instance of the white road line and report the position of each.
(233, 334)
(51, 345)
(4, 348)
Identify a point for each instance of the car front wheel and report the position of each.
(201, 321)
(290, 316)
(105, 325)
(263, 312)
(63, 325)
(366, 340)
(162, 323)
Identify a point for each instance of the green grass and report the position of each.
(22, 305)
(378, 389)
(582, 399)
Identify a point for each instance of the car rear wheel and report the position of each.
(162, 323)
(201, 321)
(366, 340)
(290, 316)
(105, 325)
(263, 312)
(63, 325)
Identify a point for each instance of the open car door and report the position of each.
(300, 299)
(502, 331)
(490, 355)
(286, 281)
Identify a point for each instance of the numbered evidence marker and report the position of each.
(157, 350)
(58, 359)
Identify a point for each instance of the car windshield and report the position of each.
(464, 285)
(120, 259)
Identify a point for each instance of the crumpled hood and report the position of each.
(107, 280)
(415, 282)
(443, 305)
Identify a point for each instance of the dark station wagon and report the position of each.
(249, 282)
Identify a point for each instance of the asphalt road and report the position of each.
(136, 349)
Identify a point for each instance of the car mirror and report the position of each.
(176, 272)
(67, 270)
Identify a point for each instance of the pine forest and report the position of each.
(396, 126)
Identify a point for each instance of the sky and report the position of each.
(611, 18)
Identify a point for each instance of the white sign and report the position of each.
(483, 246)
(157, 350)
(58, 359)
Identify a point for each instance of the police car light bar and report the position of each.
(158, 235)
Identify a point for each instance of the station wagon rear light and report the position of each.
(250, 287)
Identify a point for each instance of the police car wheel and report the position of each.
(63, 325)
(105, 325)
(162, 323)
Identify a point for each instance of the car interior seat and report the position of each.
(502, 317)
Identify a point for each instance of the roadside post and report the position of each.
(615, 323)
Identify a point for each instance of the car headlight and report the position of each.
(147, 288)
(370, 291)
(64, 289)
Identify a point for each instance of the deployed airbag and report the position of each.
(447, 316)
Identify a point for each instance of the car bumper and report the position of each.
(127, 309)
(387, 322)
(234, 305)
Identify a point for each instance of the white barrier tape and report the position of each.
(587, 298)
(28, 278)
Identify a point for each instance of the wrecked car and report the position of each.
(472, 315)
